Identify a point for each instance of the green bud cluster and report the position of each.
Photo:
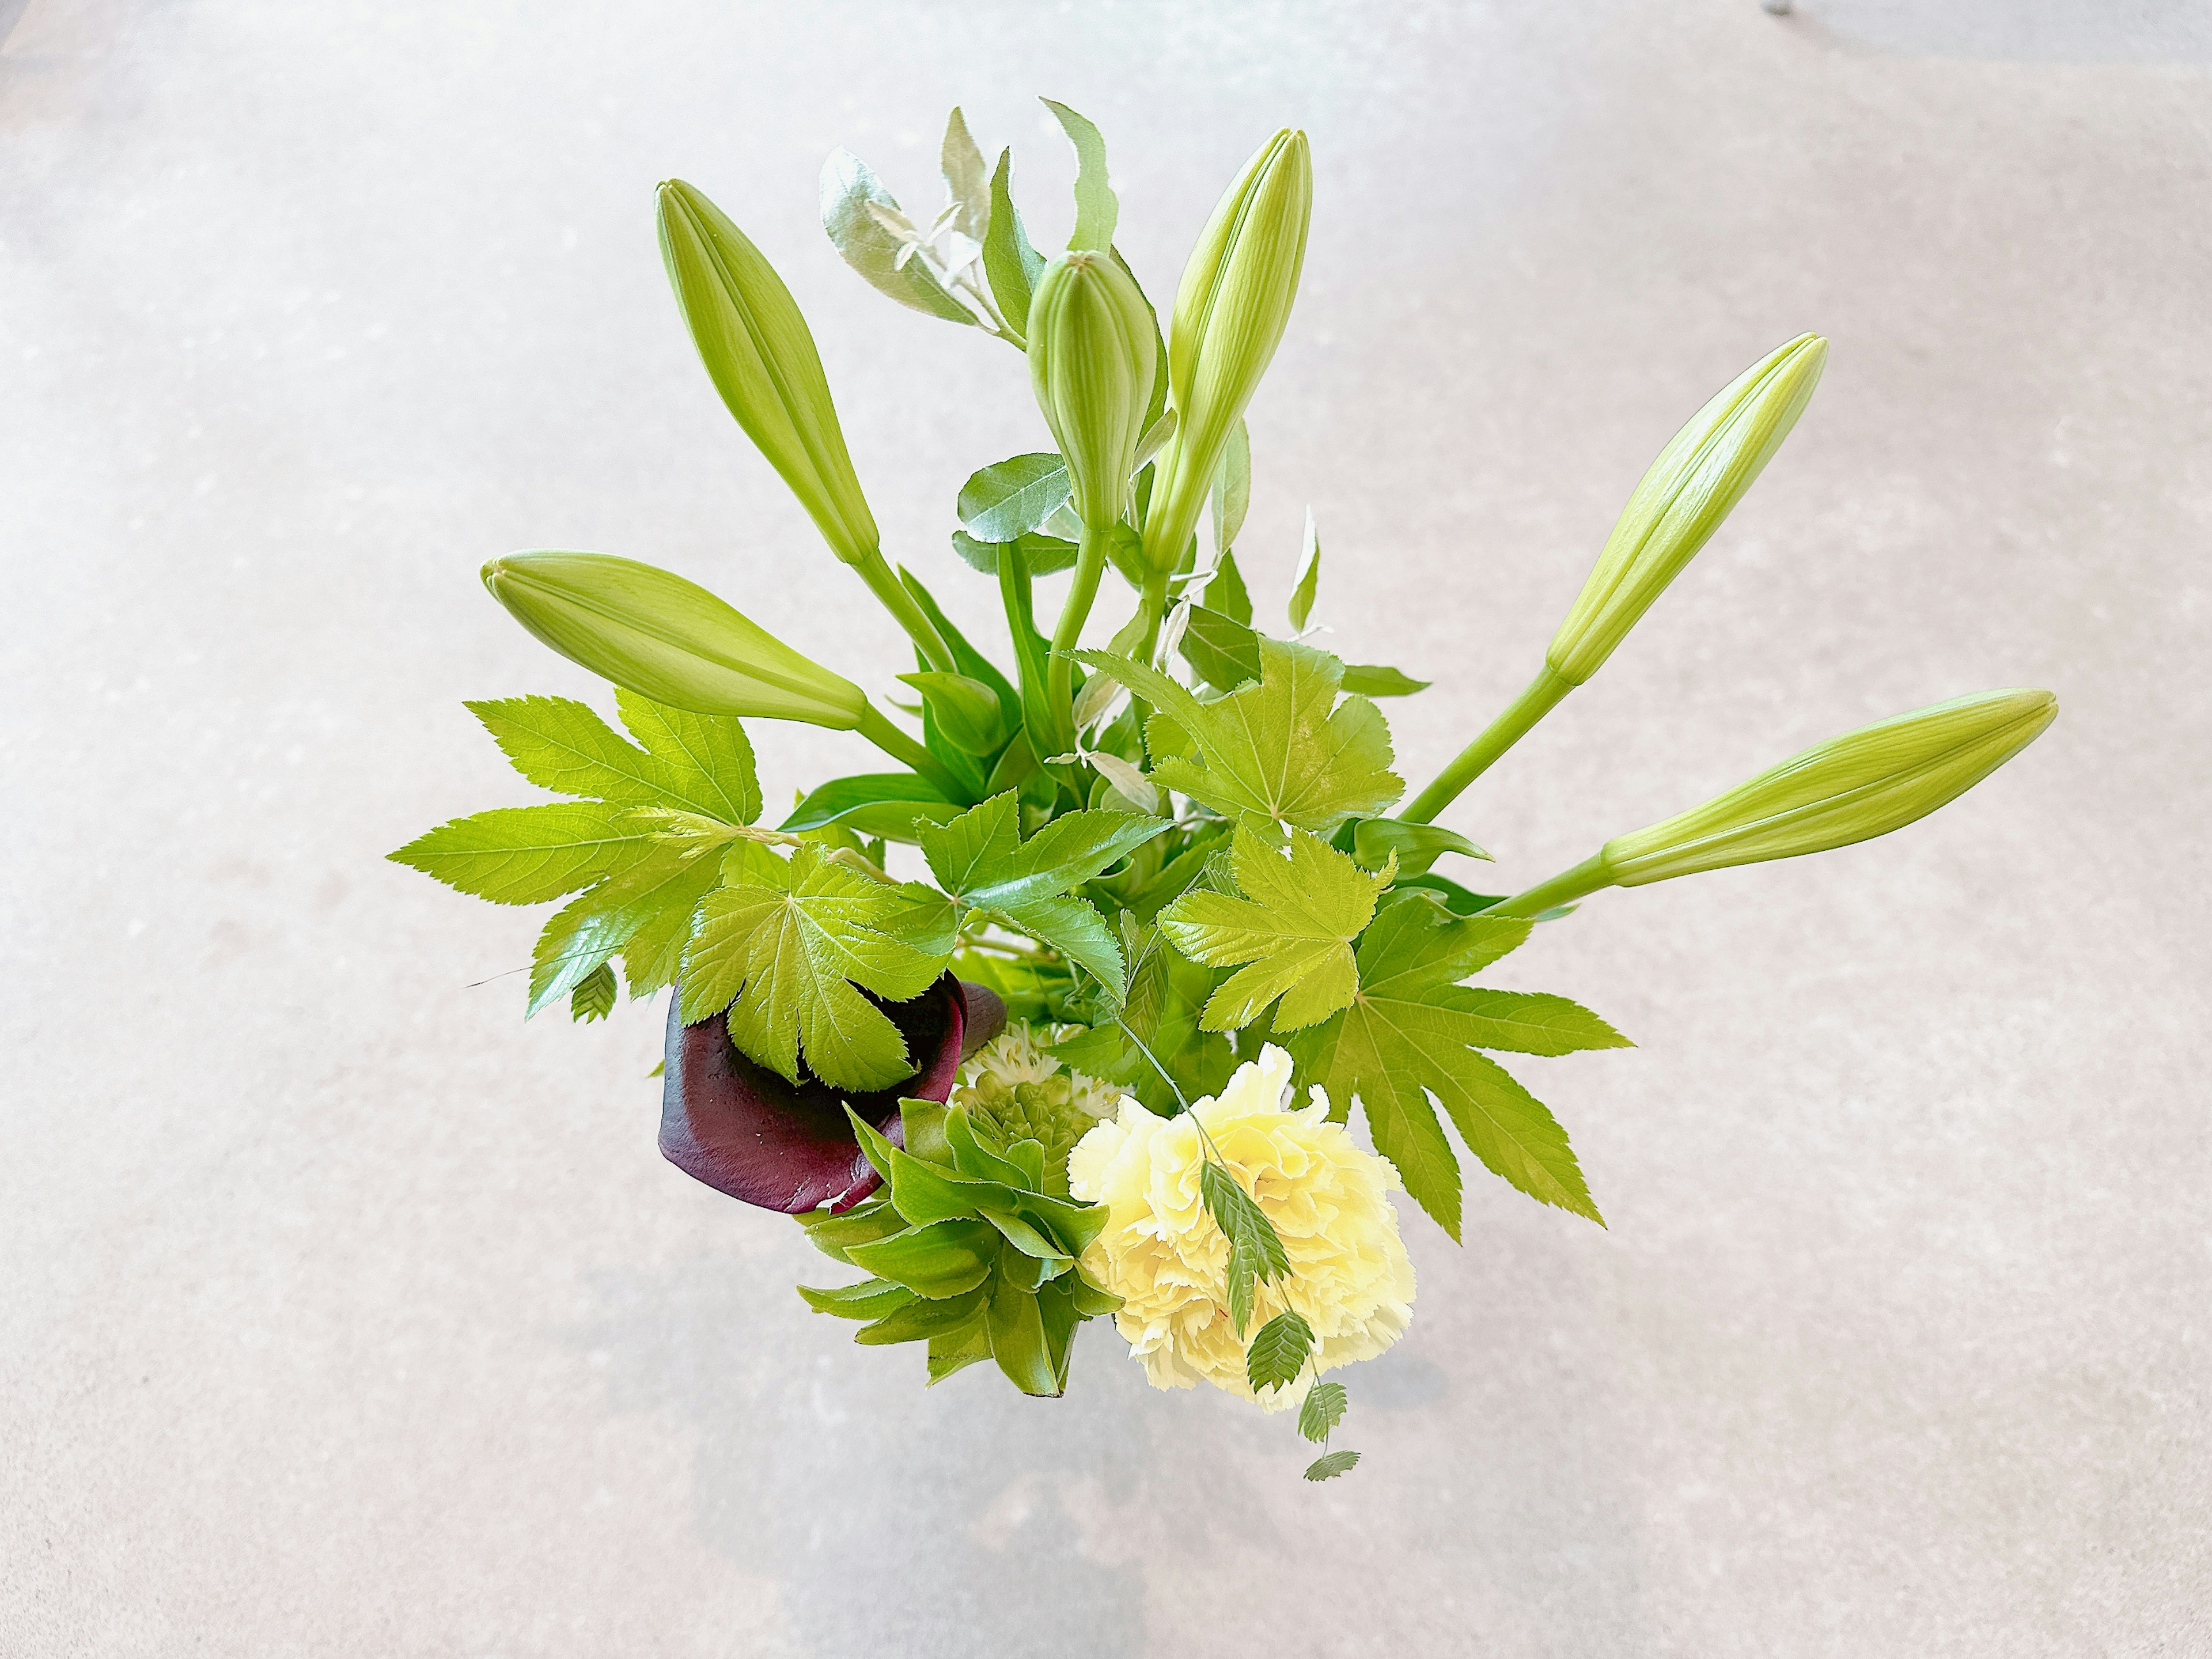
(1046, 1111)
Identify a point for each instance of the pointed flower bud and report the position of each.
(762, 359)
(1230, 313)
(1092, 363)
(1863, 784)
(1702, 473)
(667, 639)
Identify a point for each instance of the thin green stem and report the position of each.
(1059, 693)
(1155, 601)
(900, 747)
(911, 617)
(1565, 888)
(1542, 696)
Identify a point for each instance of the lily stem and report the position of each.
(1090, 566)
(1541, 696)
(1565, 888)
(901, 747)
(911, 617)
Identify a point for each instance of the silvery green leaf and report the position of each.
(1097, 700)
(1172, 635)
(1009, 262)
(1232, 493)
(1013, 498)
(1128, 782)
(1095, 208)
(849, 187)
(1156, 436)
(1041, 554)
(967, 180)
(1064, 524)
(1302, 596)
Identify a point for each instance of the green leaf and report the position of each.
(786, 947)
(1373, 680)
(1282, 749)
(1309, 582)
(659, 889)
(561, 745)
(594, 995)
(1232, 494)
(966, 710)
(1277, 1352)
(965, 657)
(1223, 650)
(871, 1299)
(1375, 840)
(889, 805)
(1529, 1021)
(706, 759)
(957, 1350)
(1012, 498)
(1010, 264)
(1095, 208)
(1226, 592)
(1018, 1342)
(967, 180)
(1294, 925)
(980, 860)
(1256, 1255)
(863, 1224)
(1408, 1031)
(1457, 900)
(1324, 1408)
(944, 1260)
(1329, 1467)
(848, 185)
(528, 855)
(922, 1318)
(1042, 553)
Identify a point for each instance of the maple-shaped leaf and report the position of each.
(636, 912)
(1302, 905)
(788, 947)
(528, 855)
(982, 862)
(696, 763)
(1284, 748)
(1411, 1032)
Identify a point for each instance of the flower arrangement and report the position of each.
(1152, 888)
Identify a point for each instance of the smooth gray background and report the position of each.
(342, 1314)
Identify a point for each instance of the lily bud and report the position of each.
(1092, 363)
(1230, 313)
(1863, 784)
(762, 359)
(1702, 473)
(654, 632)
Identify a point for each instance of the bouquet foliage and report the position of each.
(1039, 1066)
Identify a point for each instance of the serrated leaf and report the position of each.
(1010, 264)
(1374, 680)
(1231, 494)
(706, 759)
(1334, 1463)
(1095, 208)
(1293, 926)
(528, 855)
(1405, 1037)
(1324, 1408)
(1012, 498)
(594, 995)
(850, 191)
(1309, 582)
(1529, 1021)
(1256, 1255)
(786, 948)
(1283, 749)
(660, 888)
(1277, 1352)
(562, 744)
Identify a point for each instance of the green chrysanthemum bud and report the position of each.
(1092, 363)
(1851, 788)
(1230, 313)
(668, 638)
(1702, 473)
(762, 359)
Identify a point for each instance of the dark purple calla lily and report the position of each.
(751, 1132)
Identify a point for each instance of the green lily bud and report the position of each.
(762, 359)
(668, 638)
(1851, 788)
(1230, 313)
(1863, 784)
(1702, 473)
(1092, 363)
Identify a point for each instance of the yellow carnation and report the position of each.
(1161, 1253)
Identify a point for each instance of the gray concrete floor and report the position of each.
(342, 1314)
